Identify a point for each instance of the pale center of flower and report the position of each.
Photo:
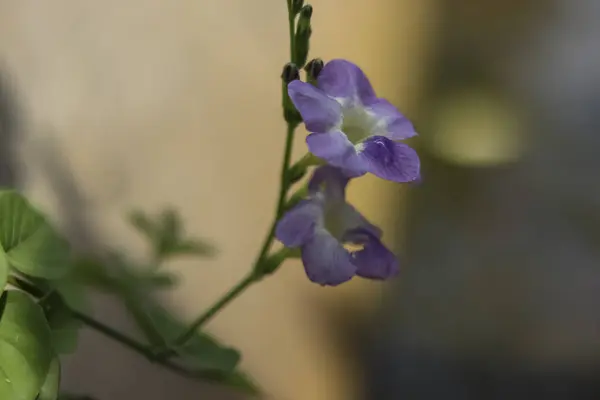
(333, 222)
(353, 247)
(357, 123)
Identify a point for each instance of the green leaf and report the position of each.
(202, 352)
(64, 328)
(3, 269)
(90, 271)
(160, 280)
(170, 225)
(72, 293)
(25, 348)
(30, 243)
(166, 235)
(143, 224)
(3, 298)
(191, 247)
(51, 386)
(238, 380)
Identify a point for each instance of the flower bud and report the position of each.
(303, 33)
(313, 69)
(290, 73)
(296, 6)
(296, 173)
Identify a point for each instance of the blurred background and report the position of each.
(106, 106)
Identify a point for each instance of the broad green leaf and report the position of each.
(25, 348)
(3, 269)
(72, 292)
(64, 328)
(30, 243)
(49, 390)
(3, 297)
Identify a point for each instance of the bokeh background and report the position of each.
(110, 105)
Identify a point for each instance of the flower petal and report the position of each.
(325, 261)
(344, 80)
(392, 123)
(298, 225)
(390, 160)
(335, 148)
(334, 179)
(355, 221)
(319, 112)
(375, 261)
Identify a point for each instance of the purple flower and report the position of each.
(322, 225)
(351, 127)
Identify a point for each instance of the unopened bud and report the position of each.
(297, 6)
(313, 69)
(303, 33)
(290, 73)
(306, 12)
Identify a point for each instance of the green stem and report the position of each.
(114, 334)
(212, 311)
(289, 142)
(132, 344)
(127, 341)
(257, 272)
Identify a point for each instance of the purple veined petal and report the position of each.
(335, 182)
(344, 80)
(375, 261)
(390, 160)
(319, 112)
(325, 260)
(335, 148)
(298, 225)
(391, 122)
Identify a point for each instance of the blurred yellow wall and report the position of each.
(178, 102)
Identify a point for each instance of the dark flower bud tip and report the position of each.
(290, 73)
(306, 11)
(297, 6)
(314, 68)
(303, 33)
(304, 20)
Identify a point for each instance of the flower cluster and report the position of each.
(355, 133)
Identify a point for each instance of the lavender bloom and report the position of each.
(322, 224)
(351, 127)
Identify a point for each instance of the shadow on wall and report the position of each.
(9, 133)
